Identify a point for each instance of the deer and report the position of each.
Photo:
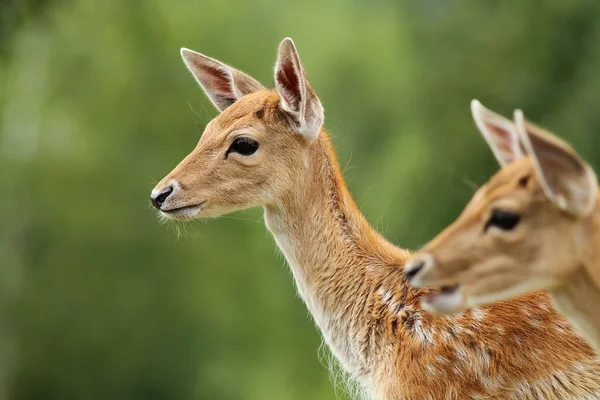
(535, 225)
(268, 148)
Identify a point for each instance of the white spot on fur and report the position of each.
(484, 358)
(456, 329)
(457, 370)
(580, 367)
(523, 389)
(543, 307)
(432, 370)
(536, 323)
(461, 354)
(478, 314)
(387, 297)
(385, 294)
(442, 359)
(562, 327)
(487, 383)
(445, 335)
(424, 334)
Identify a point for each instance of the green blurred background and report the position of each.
(98, 300)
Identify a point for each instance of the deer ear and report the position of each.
(567, 180)
(222, 84)
(499, 132)
(298, 98)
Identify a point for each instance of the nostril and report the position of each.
(159, 199)
(413, 269)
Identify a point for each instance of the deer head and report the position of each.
(526, 229)
(249, 154)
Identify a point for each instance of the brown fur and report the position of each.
(350, 277)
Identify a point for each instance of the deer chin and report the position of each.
(447, 300)
(184, 213)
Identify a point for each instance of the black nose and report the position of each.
(414, 269)
(159, 199)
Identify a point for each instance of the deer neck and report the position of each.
(324, 238)
(578, 298)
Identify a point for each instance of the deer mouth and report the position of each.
(447, 300)
(185, 212)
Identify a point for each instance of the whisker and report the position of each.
(470, 183)
(347, 166)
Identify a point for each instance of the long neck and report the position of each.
(330, 248)
(578, 298)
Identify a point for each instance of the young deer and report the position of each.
(534, 225)
(268, 148)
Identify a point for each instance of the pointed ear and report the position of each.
(499, 132)
(567, 180)
(222, 84)
(298, 98)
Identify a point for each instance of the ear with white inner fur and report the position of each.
(499, 132)
(566, 179)
(222, 84)
(298, 98)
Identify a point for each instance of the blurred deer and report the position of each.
(535, 225)
(268, 148)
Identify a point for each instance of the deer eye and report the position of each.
(244, 146)
(502, 219)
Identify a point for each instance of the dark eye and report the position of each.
(502, 219)
(244, 146)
